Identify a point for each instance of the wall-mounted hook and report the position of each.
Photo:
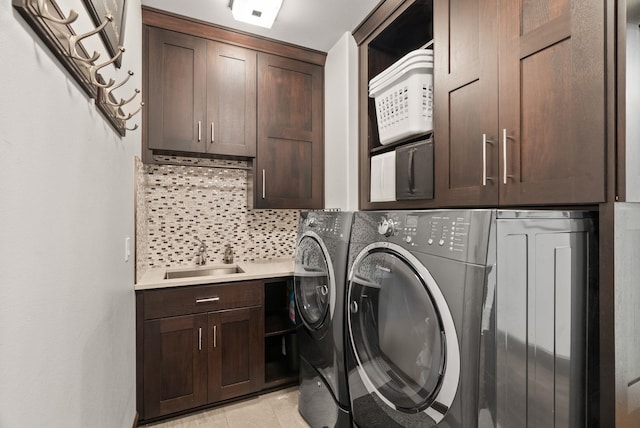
(76, 38)
(132, 129)
(130, 115)
(43, 12)
(93, 70)
(107, 93)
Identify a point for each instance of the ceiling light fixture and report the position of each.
(257, 12)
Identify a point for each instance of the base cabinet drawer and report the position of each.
(175, 301)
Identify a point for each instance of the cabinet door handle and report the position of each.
(199, 131)
(200, 339)
(207, 300)
(485, 141)
(213, 133)
(504, 156)
(215, 336)
(264, 178)
(411, 172)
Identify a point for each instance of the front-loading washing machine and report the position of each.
(418, 314)
(319, 290)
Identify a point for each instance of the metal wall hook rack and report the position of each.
(75, 39)
(55, 30)
(43, 12)
(130, 115)
(108, 96)
(93, 70)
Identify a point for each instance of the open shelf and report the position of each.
(390, 32)
(277, 373)
(277, 323)
(280, 340)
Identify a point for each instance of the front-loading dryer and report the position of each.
(319, 289)
(418, 302)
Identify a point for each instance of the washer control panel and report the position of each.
(329, 224)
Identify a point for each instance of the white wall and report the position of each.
(341, 125)
(67, 315)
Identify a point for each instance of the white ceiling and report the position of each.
(316, 24)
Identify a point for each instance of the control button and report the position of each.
(430, 241)
(311, 222)
(441, 242)
(407, 239)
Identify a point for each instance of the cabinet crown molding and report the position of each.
(171, 21)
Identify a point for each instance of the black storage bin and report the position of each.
(414, 171)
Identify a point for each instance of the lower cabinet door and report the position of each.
(175, 364)
(236, 353)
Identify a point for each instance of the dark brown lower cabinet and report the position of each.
(236, 366)
(200, 345)
(175, 364)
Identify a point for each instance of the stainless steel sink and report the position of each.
(210, 271)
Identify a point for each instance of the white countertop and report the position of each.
(154, 278)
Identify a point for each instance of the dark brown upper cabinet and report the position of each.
(231, 100)
(176, 95)
(520, 102)
(466, 102)
(552, 105)
(202, 95)
(519, 98)
(289, 166)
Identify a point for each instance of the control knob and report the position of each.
(386, 227)
(311, 222)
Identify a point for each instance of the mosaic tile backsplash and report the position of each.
(207, 199)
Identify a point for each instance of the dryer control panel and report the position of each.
(458, 234)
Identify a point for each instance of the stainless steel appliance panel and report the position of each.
(542, 290)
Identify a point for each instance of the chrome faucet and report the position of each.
(228, 254)
(201, 258)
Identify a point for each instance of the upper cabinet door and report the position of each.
(176, 91)
(551, 101)
(231, 100)
(466, 102)
(290, 159)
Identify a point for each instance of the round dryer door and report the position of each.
(401, 332)
(313, 281)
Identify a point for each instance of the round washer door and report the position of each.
(402, 332)
(313, 281)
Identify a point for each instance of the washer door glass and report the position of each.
(396, 331)
(311, 282)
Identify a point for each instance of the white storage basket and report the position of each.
(404, 100)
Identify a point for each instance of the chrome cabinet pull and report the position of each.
(200, 339)
(199, 131)
(207, 300)
(263, 184)
(485, 141)
(213, 133)
(215, 336)
(504, 155)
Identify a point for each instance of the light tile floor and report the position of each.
(277, 409)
